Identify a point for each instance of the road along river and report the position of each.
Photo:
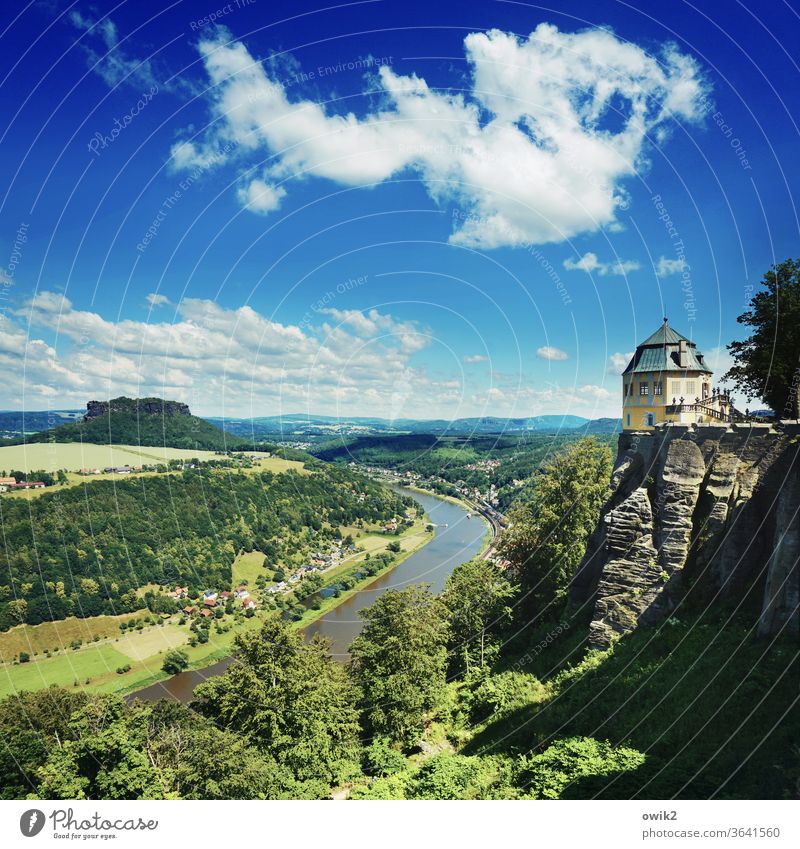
(459, 536)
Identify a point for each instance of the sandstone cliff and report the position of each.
(139, 406)
(706, 508)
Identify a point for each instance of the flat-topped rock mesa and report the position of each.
(704, 513)
(136, 406)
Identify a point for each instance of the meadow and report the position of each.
(73, 456)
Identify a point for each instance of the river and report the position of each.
(457, 538)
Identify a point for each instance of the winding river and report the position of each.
(457, 538)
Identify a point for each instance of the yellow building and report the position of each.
(667, 380)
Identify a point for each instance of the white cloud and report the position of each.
(259, 196)
(617, 362)
(474, 358)
(218, 359)
(665, 267)
(528, 151)
(590, 263)
(156, 300)
(548, 353)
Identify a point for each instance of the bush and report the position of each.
(381, 759)
(549, 774)
(24, 657)
(175, 661)
(121, 670)
(494, 695)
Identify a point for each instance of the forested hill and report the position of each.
(140, 421)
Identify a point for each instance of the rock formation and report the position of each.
(700, 506)
(138, 406)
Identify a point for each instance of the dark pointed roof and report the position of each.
(659, 352)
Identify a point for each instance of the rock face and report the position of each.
(704, 507)
(138, 406)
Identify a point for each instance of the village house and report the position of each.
(189, 611)
(242, 592)
(212, 594)
(8, 481)
(249, 604)
(210, 602)
(28, 485)
(180, 592)
(206, 614)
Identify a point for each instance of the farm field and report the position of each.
(74, 456)
(98, 662)
(247, 566)
(59, 634)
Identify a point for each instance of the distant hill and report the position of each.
(300, 424)
(15, 423)
(140, 421)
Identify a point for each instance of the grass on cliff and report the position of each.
(713, 709)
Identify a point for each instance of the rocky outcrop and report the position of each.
(138, 406)
(691, 506)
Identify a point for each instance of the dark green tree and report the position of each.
(291, 700)
(476, 598)
(549, 530)
(399, 661)
(175, 661)
(767, 363)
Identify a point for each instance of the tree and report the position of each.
(548, 531)
(175, 661)
(399, 661)
(291, 700)
(476, 598)
(550, 773)
(767, 363)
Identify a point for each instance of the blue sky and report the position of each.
(384, 208)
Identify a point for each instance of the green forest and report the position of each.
(85, 551)
(450, 459)
(484, 691)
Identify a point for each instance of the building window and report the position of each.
(690, 390)
(676, 388)
(644, 389)
(706, 390)
(650, 420)
(628, 420)
(657, 388)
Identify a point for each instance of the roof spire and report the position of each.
(666, 320)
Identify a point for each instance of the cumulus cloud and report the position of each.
(537, 150)
(548, 353)
(216, 359)
(617, 362)
(665, 267)
(156, 300)
(259, 196)
(591, 264)
(474, 358)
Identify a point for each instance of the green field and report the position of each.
(50, 636)
(72, 456)
(247, 567)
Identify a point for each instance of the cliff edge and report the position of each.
(696, 507)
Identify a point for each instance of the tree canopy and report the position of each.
(767, 363)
